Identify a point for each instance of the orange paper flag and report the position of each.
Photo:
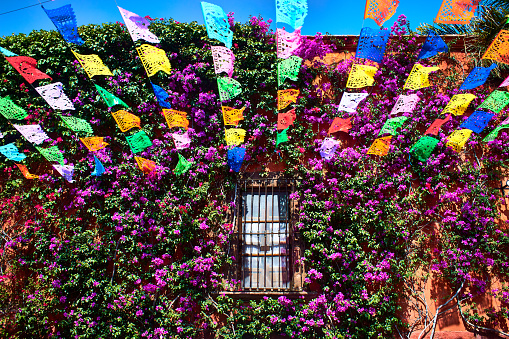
(126, 120)
(94, 143)
(340, 125)
(25, 172)
(380, 10)
(145, 165)
(380, 146)
(286, 97)
(284, 120)
(176, 118)
(232, 116)
(499, 48)
(458, 12)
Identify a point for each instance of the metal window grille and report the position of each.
(266, 247)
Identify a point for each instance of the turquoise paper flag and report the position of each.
(12, 152)
(7, 53)
(217, 24)
(99, 168)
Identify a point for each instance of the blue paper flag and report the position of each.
(477, 77)
(372, 43)
(217, 24)
(477, 121)
(161, 96)
(6, 52)
(433, 44)
(99, 168)
(65, 21)
(236, 157)
(11, 152)
(291, 12)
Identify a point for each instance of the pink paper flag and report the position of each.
(405, 104)
(223, 60)
(182, 141)
(350, 101)
(137, 26)
(328, 148)
(55, 96)
(505, 82)
(32, 133)
(287, 43)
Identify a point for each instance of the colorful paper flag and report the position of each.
(432, 46)
(109, 98)
(216, 23)
(26, 173)
(55, 96)
(458, 139)
(137, 26)
(99, 168)
(11, 111)
(223, 60)
(361, 76)
(350, 101)
(405, 104)
(391, 125)
(418, 77)
(138, 141)
(64, 20)
(52, 154)
(423, 148)
(232, 116)
(182, 141)
(234, 136)
(26, 66)
(436, 125)
(493, 134)
(284, 120)
(380, 146)
(228, 88)
(372, 44)
(288, 69)
(147, 166)
(235, 158)
(477, 77)
(496, 102)
(94, 143)
(154, 59)
(291, 12)
(162, 96)
(32, 133)
(340, 125)
(92, 64)
(286, 97)
(7, 53)
(499, 48)
(12, 152)
(328, 148)
(282, 137)
(477, 121)
(458, 104)
(126, 120)
(380, 10)
(458, 12)
(77, 124)
(183, 166)
(176, 118)
(65, 171)
(287, 43)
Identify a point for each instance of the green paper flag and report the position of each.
(52, 154)
(139, 141)
(496, 101)
(493, 134)
(77, 124)
(422, 149)
(109, 98)
(391, 125)
(228, 88)
(282, 137)
(11, 111)
(288, 69)
(183, 166)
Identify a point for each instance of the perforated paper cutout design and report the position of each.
(182, 141)
(232, 116)
(137, 26)
(94, 143)
(458, 139)
(499, 48)
(288, 69)
(11, 111)
(228, 88)
(52, 154)
(66, 171)
(477, 121)
(287, 43)
(7, 53)
(286, 97)
(12, 152)
(27, 67)
(350, 101)
(235, 158)
(418, 77)
(493, 134)
(405, 104)
(64, 20)
(223, 60)
(423, 148)
(340, 125)
(32, 133)
(154, 59)
(109, 98)
(77, 124)
(99, 168)
(162, 96)
(380, 146)
(496, 101)
(126, 120)
(371, 44)
(55, 96)
(183, 165)
(505, 82)
(458, 104)
(234, 136)
(145, 165)
(436, 125)
(216, 23)
(328, 148)
(380, 10)
(282, 137)
(92, 64)
(391, 125)
(458, 12)
(284, 120)
(139, 141)
(361, 76)
(26, 173)
(176, 118)
(432, 46)
(291, 12)
(477, 77)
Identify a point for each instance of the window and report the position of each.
(266, 247)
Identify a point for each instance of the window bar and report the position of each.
(266, 270)
(258, 231)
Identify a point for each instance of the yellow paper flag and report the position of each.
(234, 136)
(418, 77)
(232, 116)
(94, 143)
(458, 104)
(126, 120)
(286, 97)
(458, 139)
(176, 118)
(361, 76)
(92, 64)
(153, 59)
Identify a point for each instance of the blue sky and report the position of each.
(331, 16)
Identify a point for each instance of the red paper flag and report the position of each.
(26, 66)
(340, 125)
(435, 126)
(284, 120)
